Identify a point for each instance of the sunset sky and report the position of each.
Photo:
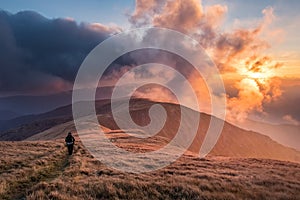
(255, 44)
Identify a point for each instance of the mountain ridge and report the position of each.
(233, 142)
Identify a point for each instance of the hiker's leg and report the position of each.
(69, 149)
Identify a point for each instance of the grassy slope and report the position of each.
(42, 170)
(233, 142)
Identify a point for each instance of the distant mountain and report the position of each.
(26, 126)
(8, 114)
(24, 105)
(286, 134)
(233, 142)
(29, 105)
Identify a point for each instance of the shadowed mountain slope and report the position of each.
(233, 142)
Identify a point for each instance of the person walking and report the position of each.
(70, 142)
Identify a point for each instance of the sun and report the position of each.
(262, 74)
(256, 75)
(259, 71)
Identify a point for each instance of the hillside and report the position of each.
(233, 142)
(237, 167)
(42, 170)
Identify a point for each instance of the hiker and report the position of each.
(70, 142)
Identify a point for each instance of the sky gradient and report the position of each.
(255, 44)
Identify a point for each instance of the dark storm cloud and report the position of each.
(37, 53)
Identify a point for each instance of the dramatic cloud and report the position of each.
(290, 119)
(38, 54)
(239, 51)
(182, 15)
(43, 55)
(240, 106)
(153, 73)
(144, 10)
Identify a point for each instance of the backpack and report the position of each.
(69, 139)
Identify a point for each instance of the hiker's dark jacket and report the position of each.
(70, 140)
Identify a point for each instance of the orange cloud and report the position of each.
(144, 11)
(102, 28)
(181, 15)
(290, 120)
(155, 93)
(239, 51)
(249, 98)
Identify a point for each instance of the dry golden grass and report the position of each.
(23, 164)
(42, 170)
